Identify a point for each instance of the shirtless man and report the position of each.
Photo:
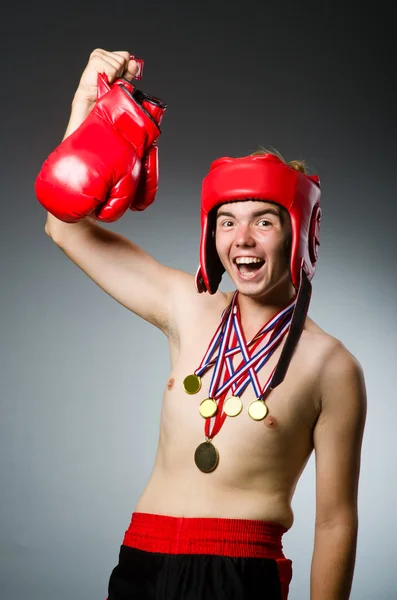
(213, 529)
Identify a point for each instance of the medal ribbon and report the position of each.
(229, 366)
(253, 360)
(263, 357)
(261, 333)
(280, 324)
(220, 359)
(266, 353)
(206, 361)
(248, 361)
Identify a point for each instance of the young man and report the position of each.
(237, 426)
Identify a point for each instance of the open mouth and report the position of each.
(249, 269)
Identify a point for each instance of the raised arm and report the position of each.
(337, 442)
(117, 265)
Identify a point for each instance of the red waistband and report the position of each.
(203, 535)
(210, 535)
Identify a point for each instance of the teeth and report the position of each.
(248, 260)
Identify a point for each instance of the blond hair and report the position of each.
(298, 165)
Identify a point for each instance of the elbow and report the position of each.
(51, 234)
(346, 519)
(48, 231)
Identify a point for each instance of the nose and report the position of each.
(243, 236)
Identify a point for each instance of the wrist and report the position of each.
(81, 104)
(79, 112)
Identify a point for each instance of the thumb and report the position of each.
(134, 69)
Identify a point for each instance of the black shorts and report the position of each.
(178, 558)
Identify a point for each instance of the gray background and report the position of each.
(82, 378)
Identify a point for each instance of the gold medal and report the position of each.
(192, 384)
(208, 408)
(232, 406)
(257, 410)
(206, 457)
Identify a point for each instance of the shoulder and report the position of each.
(185, 296)
(336, 360)
(316, 345)
(334, 365)
(189, 307)
(330, 350)
(341, 386)
(342, 373)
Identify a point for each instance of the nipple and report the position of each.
(171, 383)
(271, 422)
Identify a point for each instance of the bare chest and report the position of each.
(250, 450)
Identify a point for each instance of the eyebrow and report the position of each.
(254, 215)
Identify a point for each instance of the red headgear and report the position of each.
(265, 177)
(261, 177)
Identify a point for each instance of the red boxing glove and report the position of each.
(97, 169)
(149, 181)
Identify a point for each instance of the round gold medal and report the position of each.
(208, 407)
(206, 457)
(232, 406)
(192, 384)
(257, 410)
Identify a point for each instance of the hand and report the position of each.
(114, 64)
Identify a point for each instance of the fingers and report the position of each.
(114, 64)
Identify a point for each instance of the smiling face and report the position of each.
(251, 238)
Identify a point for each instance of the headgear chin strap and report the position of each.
(265, 177)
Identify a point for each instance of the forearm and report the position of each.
(333, 561)
(81, 108)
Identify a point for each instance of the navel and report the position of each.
(171, 383)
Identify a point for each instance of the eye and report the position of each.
(226, 223)
(264, 221)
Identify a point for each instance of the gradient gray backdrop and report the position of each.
(82, 379)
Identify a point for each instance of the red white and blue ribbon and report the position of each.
(229, 340)
(250, 362)
(207, 360)
(238, 379)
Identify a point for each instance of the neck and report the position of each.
(256, 311)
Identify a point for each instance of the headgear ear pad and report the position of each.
(260, 177)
